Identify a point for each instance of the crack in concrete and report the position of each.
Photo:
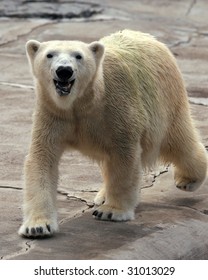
(16, 85)
(10, 187)
(203, 33)
(83, 191)
(62, 192)
(179, 207)
(79, 213)
(193, 3)
(27, 246)
(72, 197)
(18, 36)
(155, 176)
(181, 42)
(203, 212)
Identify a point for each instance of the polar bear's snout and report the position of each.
(64, 73)
(64, 80)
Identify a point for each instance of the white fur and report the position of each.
(127, 108)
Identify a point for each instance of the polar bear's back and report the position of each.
(137, 48)
(142, 66)
(144, 57)
(127, 39)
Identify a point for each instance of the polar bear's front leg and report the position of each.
(39, 201)
(121, 189)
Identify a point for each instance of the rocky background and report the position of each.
(169, 224)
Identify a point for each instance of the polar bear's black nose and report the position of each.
(64, 72)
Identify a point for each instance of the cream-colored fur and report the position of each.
(127, 108)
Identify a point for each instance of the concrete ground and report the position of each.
(169, 224)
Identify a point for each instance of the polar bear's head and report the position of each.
(64, 69)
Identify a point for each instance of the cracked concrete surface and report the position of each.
(169, 224)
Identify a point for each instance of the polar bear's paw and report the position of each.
(187, 185)
(106, 212)
(38, 228)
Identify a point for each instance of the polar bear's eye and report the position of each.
(49, 55)
(78, 56)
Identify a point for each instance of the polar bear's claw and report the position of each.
(35, 231)
(110, 216)
(188, 187)
(99, 215)
(109, 213)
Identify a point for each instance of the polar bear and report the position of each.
(122, 102)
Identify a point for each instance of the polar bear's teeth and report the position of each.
(69, 87)
(63, 88)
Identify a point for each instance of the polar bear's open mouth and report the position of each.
(63, 88)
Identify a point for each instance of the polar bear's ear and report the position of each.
(98, 49)
(32, 47)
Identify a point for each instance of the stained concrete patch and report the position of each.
(48, 10)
